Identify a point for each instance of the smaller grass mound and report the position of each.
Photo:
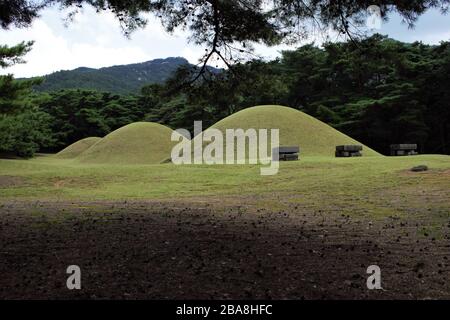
(136, 143)
(77, 148)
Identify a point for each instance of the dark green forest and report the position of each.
(377, 90)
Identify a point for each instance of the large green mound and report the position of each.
(136, 143)
(77, 148)
(296, 128)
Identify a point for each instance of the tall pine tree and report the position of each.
(23, 127)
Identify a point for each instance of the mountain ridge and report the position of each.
(119, 79)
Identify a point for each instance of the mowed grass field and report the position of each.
(381, 185)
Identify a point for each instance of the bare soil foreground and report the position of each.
(218, 249)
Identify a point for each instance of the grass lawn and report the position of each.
(382, 185)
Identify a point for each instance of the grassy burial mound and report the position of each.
(136, 143)
(296, 128)
(77, 148)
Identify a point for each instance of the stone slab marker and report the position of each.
(351, 150)
(404, 149)
(285, 153)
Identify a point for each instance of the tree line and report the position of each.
(377, 90)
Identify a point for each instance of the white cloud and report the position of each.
(193, 54)
(434, 38)
(91, 40)
(52, 52)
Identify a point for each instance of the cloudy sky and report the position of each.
(95, 40)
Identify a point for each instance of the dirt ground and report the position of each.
(199, 250)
